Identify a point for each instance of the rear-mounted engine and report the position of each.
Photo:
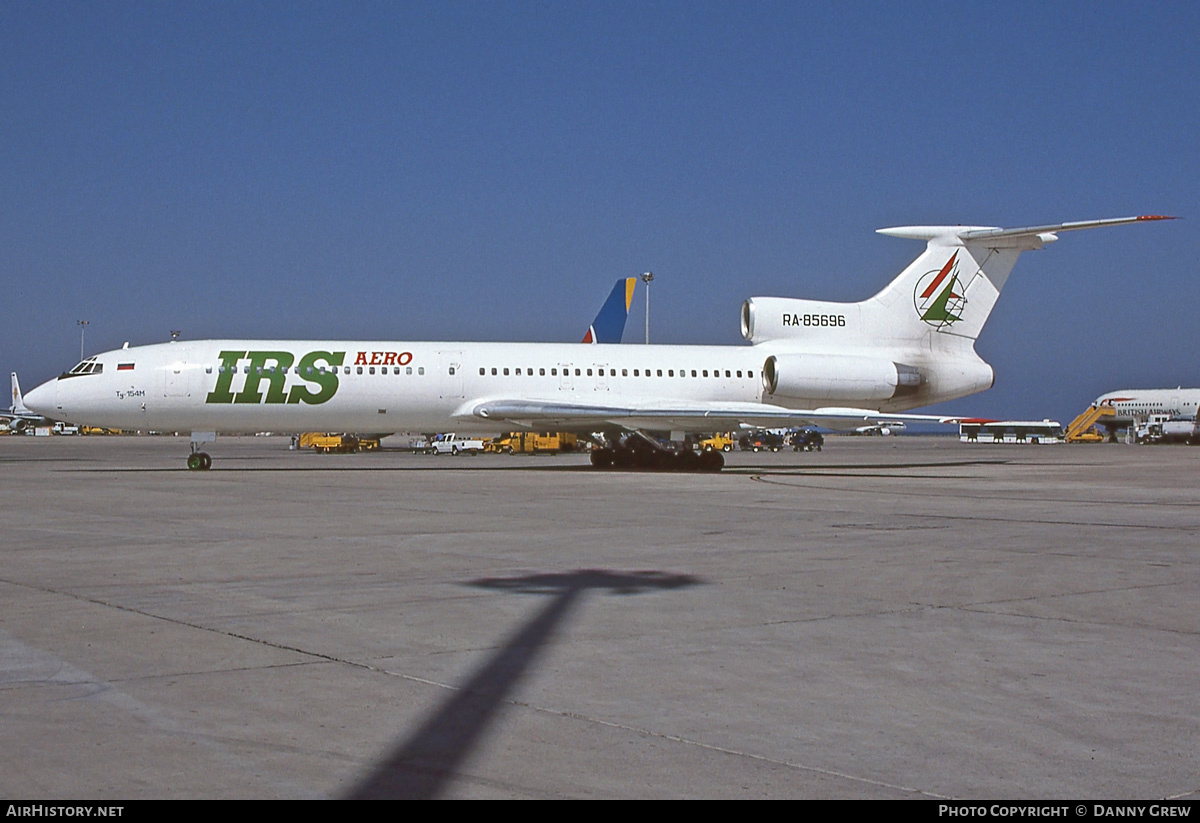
(839, 378)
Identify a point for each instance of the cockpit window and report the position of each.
(88, 366)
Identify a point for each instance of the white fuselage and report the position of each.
(1138, 404)
(291, 385)
(910, 345)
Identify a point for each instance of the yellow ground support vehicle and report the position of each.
(340, 443)
(533, 443)
(1084, 428)
(718, 442)
(500, 445)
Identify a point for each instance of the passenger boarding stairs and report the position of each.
(1083, 428)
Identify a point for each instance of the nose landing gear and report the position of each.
(198, 460)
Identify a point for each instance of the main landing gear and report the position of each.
(637, 451)
(198, 460)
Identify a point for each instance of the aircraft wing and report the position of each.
(674, 415)
(19, 421)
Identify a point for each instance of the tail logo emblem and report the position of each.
(938, 297)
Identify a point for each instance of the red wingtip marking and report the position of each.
(1156, 217)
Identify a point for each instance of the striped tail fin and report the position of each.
(609, 325)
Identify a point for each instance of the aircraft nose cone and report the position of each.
(41, 399)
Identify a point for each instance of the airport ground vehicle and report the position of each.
(761, 441)
(337, 443)
(532, 443)
(1010, 431)
(808, 440)
(718, 442)
(327, 443)
(1164, 429)
(451, 443)
(1090, 425)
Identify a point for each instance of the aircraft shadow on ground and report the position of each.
(422, 764)
(773, 468)
(216, 469)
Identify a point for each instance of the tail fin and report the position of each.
(953, 287)
(609, 325)
(18, 403)
(944, 297)
(948, 292)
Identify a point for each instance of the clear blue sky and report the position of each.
(485, 171)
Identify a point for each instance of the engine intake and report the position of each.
(786, 318)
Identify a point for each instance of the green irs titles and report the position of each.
(266, 376)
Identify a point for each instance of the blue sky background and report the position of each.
(485, 171)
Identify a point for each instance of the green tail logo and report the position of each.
(938, 297)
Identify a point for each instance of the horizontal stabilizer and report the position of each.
(974, 234)
(1034, 231)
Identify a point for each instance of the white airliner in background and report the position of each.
(19, 417)
(1131, 404)
(840, 365)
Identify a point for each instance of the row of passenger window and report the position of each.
(602, 372)
(483, 371)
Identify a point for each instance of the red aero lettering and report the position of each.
(383, 358)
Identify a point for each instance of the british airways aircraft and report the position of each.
(840, 365)
(1132, 404)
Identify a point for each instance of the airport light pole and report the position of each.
(646, 278)
(82, 328)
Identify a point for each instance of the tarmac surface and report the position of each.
(903, 617)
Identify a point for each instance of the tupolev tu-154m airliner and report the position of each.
(839, 365)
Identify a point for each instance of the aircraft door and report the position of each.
(450, 374)
(565, 382)
(178, 379)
